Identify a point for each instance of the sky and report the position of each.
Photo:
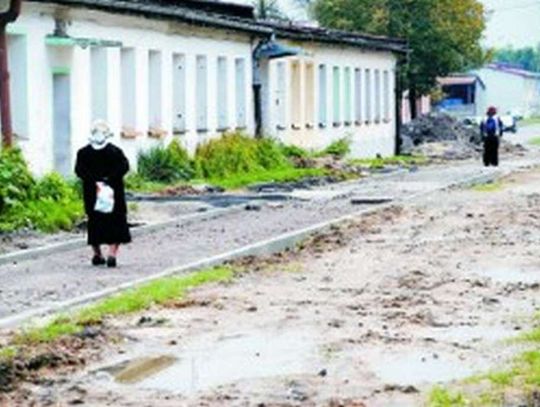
(510, 22)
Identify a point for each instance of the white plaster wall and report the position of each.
(368, 139)
(510, 92)
(36, 21)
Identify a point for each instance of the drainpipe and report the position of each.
(9, 13)
(399, 102)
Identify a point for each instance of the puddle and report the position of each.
(503, 274)
(415, 368)
(134, 371)
(464, 334)
(206, 365)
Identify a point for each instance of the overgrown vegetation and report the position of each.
(488, 186)
(339, 148)
(158, 292)
(47, 204)
(166, 165)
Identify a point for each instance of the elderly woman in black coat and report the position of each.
(102, 166)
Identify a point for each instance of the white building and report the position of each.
(157, 70)
(512, 90)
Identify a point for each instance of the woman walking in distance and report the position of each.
(491, 129)
(102, 166)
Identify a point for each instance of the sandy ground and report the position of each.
(375, 314)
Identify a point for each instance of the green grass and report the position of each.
(530, 121)
(157, 292)
(488, 187)
(7, 353)
(535, 141)
(440, 397)
(378, 163)
(520, 377)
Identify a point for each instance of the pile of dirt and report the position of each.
(439, 135)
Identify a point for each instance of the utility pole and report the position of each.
(9, 11)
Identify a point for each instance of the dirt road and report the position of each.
(374, 314)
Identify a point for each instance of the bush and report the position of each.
(235, 153)
(291, 151)
(339, 148)
(47, 204)
(16, 182)
(168, 164)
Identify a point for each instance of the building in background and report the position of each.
(464, 95)
(513, 90)
(157, 71)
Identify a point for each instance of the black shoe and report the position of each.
(111, 262)
(98, 261)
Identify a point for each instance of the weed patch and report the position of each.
(382, 162)
(488, 187)
(155, 293)
(535, 141)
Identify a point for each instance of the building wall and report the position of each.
(163, 68)
(510, 92)
(298, 111)
(34, 62)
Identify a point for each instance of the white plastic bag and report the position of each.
(104, 198)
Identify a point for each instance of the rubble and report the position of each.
(439, 135)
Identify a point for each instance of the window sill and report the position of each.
(310, 126)
(179, 132)
(223, 129)
(322, 125)
(387, 121)
(296, 127)
(202, 130)
(157, 133)
(336, 124)
(240, 128)
(281, 128)
(348, 124)
(129, 134)
(358, 123)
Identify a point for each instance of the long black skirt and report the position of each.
(107, 229)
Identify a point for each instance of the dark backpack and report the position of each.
(491, 126)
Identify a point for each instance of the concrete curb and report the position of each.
(78, 243)
(267, 246)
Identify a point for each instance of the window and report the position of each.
(99, 83)
(179, 93)
(322, 96)
(154, 89)
(347, 114)
(127, 62)
(240, 83)
(377, 96)
(367, 102)
(18, 68)
(337, 96)
(310, 96)
(201, 93)
(386, 96)
(358, 93)
(222, 102)
(280, 98)
(296, 103)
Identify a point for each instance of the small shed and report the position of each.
(464, 95)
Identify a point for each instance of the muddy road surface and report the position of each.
(373, 314)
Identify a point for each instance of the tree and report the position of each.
(526, 58)
(444, 35)
(268, 10)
